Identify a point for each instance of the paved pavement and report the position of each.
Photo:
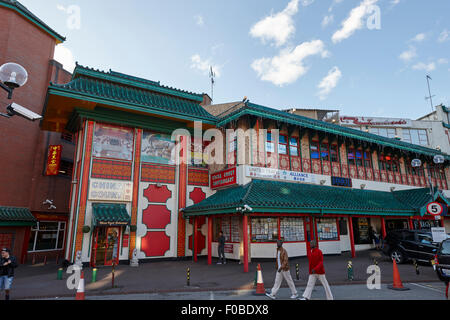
(170, 276)
(418, 291)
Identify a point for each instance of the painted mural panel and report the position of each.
(112, 142)
(158, 148)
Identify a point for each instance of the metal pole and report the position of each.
(429, 91)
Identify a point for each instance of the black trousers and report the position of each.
(222, 254)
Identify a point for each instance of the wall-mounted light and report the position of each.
(363, 186)
(392, 189)
(322, 182)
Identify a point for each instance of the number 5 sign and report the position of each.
(435, 208)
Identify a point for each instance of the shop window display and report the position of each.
(230, 228)
(361, 230)
(264, 229)
(47, 236)
(327, 230)
(292, 229)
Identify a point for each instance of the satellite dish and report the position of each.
(438, 159)
(416, 163)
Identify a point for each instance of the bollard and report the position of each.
(112, 279)
(57, 259)
(297, 271)
(45, 260)
(60, 274)
(375, 262)
(94, 275)
(188, 277)
(350, 271)
(416, 266)
(33, 262)
(256, 278)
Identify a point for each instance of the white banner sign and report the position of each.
(375, 121)
(280, 175)
(109, 190)
(439, 234)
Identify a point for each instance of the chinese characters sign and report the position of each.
(54, 160)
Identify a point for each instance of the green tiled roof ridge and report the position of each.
(16, 214)
(21, 9)
(129, 80)
(321, 125)
(108, 90)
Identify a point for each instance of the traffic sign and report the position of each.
(435, 208)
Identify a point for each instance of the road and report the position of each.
(418, 291)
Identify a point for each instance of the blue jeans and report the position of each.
(6, 282)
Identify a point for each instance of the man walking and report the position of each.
(316, 271)
(7, 265)
(282, 272)
(221, 249)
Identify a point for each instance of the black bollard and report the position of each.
(188, 277)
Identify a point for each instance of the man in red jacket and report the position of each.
(316, 271)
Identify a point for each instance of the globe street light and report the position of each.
(13, 76)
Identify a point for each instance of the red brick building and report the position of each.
(26, 224)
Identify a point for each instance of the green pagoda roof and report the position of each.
(13, 216)
(27, 14)
(284, 197)
(110, 214)
(301, 121)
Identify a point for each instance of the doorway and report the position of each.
(106, 246)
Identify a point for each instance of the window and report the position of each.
(292, 229)
(282, 146)
(415, 136)
(197, 149)
(67, 137)
(315, 150)
(382, 163)
(294, 147)
(384, 132)
(445, 249)
(334, 153)
(351, 157)
(230, 228)
(361, 230)
(47, 236)
(327, 230)
(325, 152)
(270, 146)
(425, 239)
(264, 229)
(359, 158)
(65, 168)
(388, 163)
(395, 166)
(367, 160)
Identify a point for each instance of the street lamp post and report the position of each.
(13, 76)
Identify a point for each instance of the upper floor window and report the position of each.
(388, 162)
(382, 163)
(359, 158)
(384, 132)
(415, 136)
(367, 159)
(315, 150)
(325, 152)
(67, 137)
(282, 144)
(334, 153)
(294, 147)
(65, 168)
(351, 157)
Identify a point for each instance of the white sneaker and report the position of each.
(270, 296)
(219, 262)
(295, 296)
(303, 299)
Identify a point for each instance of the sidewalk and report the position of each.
(170, 276)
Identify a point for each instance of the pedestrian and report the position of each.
(221, 249)
(282, 272)
(7, 264)
(316, 271)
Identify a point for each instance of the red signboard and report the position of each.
(229, 248)
(54, 160)
(223, 179)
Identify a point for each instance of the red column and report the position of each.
(210, 232)
(383, 228)
(194, 236)
(245, 233)
(26, 240)
(352, 238)
(182, 190)
(411, 225)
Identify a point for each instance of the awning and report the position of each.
(16, 217)
(283, 197)
(107, 214)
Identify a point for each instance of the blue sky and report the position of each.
(282, 54)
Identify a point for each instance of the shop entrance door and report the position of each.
(106, 246)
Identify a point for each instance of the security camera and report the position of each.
(16, 109)
(248, 208)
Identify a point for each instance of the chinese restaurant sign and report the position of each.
(54, 160)
(108, 190)
(281, 175)
(223, 179)
(375, 121)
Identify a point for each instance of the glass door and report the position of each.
(106, 246)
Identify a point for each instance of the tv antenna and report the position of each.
(212, 76)
(430, 97)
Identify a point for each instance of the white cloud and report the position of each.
(277, 27)
(327, 20)
(64, 56)
(288, 65)
(444, 36)
(306, 3)
(199, 20)
(354, 21)
(442, 61)
(419, 37)
(409, 54)
(329, 83)
(423, 66)
(204, 66)
(395, 2)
